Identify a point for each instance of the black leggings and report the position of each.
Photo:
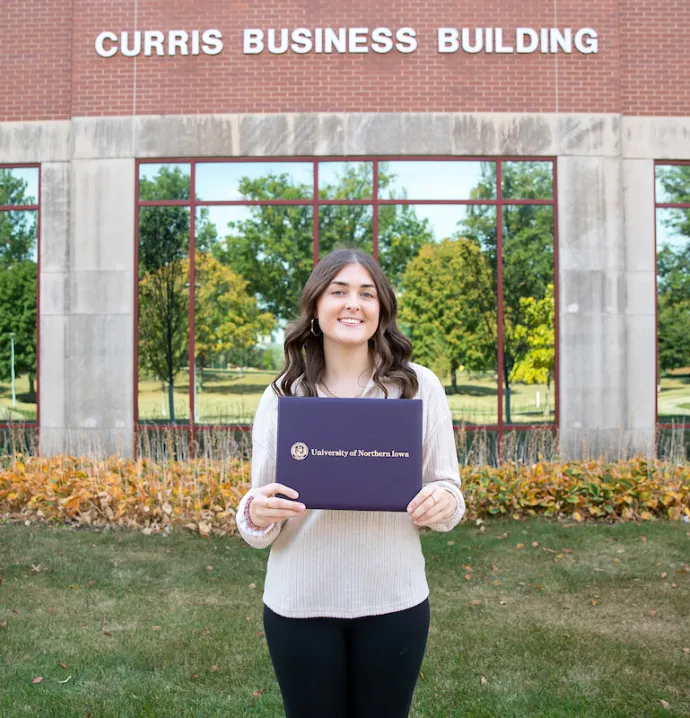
(348, 667)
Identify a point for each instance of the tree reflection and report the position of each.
(164, 323)
(448, 307)
(527, 260)
(272, 249)
(537, 364)
(250, 271)
(227, 318)
(18, 280)
(673, 290)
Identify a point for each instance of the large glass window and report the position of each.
(673, 304)
(19, 212)
(469, 246)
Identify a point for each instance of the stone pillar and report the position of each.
(593, 356)
(54, 303)
(99, 342)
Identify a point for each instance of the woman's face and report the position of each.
(348, 309)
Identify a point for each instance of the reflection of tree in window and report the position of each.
(527, 254)
(401, 235)
(448, 307)
(227, 319)
(527, 274)
(17, 283)
(272, 249)
(346, 226)
(538, 363)
(163, 278)
(673, 287)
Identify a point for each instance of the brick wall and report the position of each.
(655, 57)
(35, 59)
(52, 70)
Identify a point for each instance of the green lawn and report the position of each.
(231, 397)
(591, 622)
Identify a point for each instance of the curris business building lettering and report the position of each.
(169, 176)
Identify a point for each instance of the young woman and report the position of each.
(346, 609)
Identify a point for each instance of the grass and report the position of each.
(232, 397)
(170, 625)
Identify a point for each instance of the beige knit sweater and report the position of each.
(351, 563)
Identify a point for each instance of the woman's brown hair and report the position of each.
(304, 355)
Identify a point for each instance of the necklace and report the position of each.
(325, 386)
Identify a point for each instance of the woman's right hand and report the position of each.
(266, 508)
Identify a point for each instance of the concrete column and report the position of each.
(640, 315)
(593, 356)
(54, 303)
(99, 343)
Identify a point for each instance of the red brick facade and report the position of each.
(52, 71)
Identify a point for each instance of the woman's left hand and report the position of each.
(432, 504)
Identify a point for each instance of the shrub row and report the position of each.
(203, 495)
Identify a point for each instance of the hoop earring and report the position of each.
(312, 329)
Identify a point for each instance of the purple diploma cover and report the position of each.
(350, 454)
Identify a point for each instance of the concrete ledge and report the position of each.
(231, 135)
(103, 137)
(218, 136)
(35, 141)
(504, 134)
(265, 135)
(166, 136)
(316, 135)
(312, 134)
(589, 135)
(398, 134)
(660, 138)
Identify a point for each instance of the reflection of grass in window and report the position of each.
(153, 402)
(25, 409)
(674, 399)
(475, 401)
(227, 397)
(231, 396)
(523, 403)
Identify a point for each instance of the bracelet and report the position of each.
(247, 517)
